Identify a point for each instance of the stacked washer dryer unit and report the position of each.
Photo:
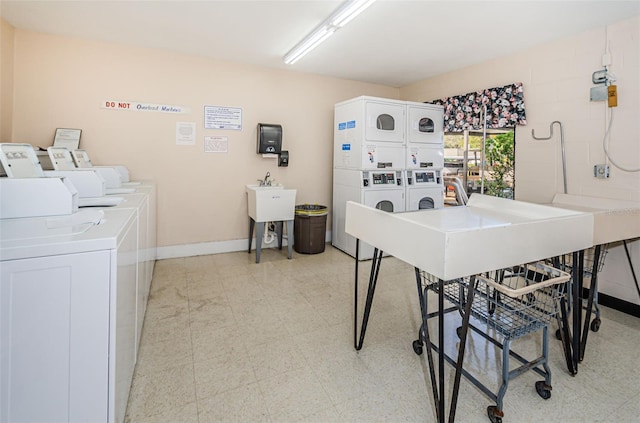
(425, 156)
(388, 154)
(368, 161)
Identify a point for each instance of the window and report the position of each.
(493, 175)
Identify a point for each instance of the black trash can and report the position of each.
(309, 228)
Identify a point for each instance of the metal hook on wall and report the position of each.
(564, 161)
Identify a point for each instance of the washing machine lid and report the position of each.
(86, 230)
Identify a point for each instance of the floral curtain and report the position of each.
(505, 108)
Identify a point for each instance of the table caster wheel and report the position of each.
(494, 414)
(417, 346)
(543, 389)
(558, 335)
(595, 324)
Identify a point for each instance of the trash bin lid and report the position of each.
(311, 210)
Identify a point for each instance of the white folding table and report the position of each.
(488, 234)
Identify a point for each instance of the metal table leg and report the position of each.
(571, 340)
(593, 289)
(289, 238)
(279, 232)
(438, 388)
(252, 223)
(373, 280)
(259, 236)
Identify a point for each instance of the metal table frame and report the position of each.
(437, 386)
(451, 234)
(466, 303)
(574, 342)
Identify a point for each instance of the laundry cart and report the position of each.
(514, 302)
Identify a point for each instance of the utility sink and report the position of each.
(271, 203)
(614, 220)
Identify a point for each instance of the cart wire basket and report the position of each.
(514, 302)
(591, 265)
(566, 262)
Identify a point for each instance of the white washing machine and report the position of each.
(424, 189)
(425, 136)
(369, 133)
(68, 289)
(382, 189)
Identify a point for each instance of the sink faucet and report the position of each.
(265, 181)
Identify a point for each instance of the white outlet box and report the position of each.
(598, 93)
(601, 171)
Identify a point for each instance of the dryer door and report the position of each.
(389, 200)
(384, 122)
(423, 198)
(425, 124)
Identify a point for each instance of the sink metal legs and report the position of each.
(260, 234)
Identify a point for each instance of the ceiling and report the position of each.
(393, 42)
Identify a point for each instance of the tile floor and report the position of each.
(229, 340)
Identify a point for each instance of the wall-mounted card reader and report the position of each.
(283, 159)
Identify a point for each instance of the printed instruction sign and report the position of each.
(215, 144)
(222, 117)
(185, 133)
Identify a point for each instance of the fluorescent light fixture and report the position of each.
(308, 44)
(338, 19)
(350, 10)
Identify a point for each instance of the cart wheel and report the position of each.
(417, 346)
(494, 414)
(543, 389)
(558, 335)
(459, 332)
(595, 324)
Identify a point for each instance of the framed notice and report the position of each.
(68, 138)
(222, 117)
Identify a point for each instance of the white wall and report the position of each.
(557, 82)
(6, 80)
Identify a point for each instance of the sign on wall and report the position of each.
(216, 144)
(185, 133)
(222, 117)
(136, 106)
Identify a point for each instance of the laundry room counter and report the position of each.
(489, 233)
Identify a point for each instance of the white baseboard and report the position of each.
(217, 247)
